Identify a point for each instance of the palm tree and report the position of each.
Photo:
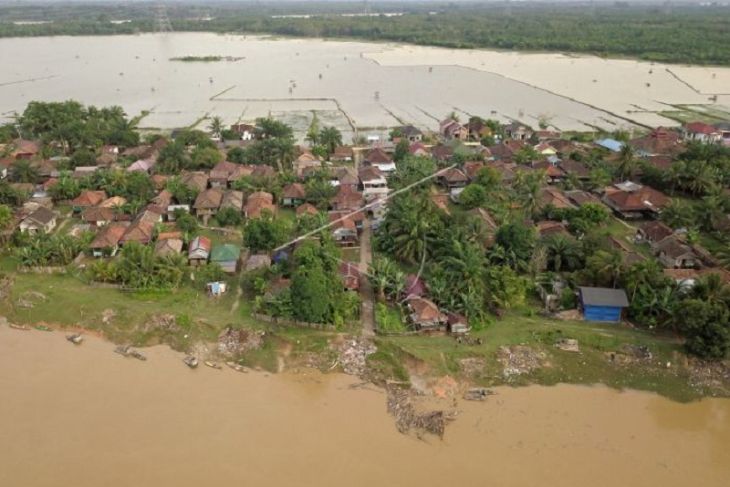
(606, 266)
(678, 214)
(331, 138)
(562, 253)
(627, 162)
(712, 288)
(24, 172)
(216, 126)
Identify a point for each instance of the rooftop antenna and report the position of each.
(162, 21)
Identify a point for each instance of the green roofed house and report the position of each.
(226, 256)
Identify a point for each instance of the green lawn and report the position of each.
(442, 355)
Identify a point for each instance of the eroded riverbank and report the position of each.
(82, 415)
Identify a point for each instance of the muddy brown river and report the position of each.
(84, 416)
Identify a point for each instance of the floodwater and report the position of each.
(85, 416)
(349, 84)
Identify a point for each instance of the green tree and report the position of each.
(216, 126)
(401, 150)
(23, 171)
(330, 138)
(473, 196)
(706, 327)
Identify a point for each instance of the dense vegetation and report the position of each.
(687, 34)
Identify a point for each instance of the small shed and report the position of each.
(227, 256)
(602, 304)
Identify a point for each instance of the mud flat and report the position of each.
(85, 416)
(353, 85)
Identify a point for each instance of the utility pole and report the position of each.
(162, 21)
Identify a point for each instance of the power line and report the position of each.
(366, 207)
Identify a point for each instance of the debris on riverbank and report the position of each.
(232, 343)
(519, 360)
(128, 351)
(353, 354)
(408, 418)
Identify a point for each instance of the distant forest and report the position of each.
(679, 34)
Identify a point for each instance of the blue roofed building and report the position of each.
(602, 304)
(611, 144)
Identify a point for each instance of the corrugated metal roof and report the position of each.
(603, 296)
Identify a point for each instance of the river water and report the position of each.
(85, 416)
(348, 84)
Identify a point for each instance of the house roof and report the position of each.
(23, 146)
(95, 214)
(454, 175)
(414, 286)
(603, 296)
(416, 147)
(580, 197)
(196, 180)
(700, 128)
(199, 243)
(42, 216)
(347, 199)
(655, 231)
(424, 310)
(294, 191)
(232, 199)
(350, 274)
(369, 173)
(641, 199)
(342, 151)
(209, 199)
(550, 227)
(307, 209)
(442, 152)
(555, 197)
(410, 131)
(225, 253)
(258, 202)
(659, 141)
(169, 246)
(471, 168)
(138, 231)
(611, 144)
(89, 198)
(257, 261)
(109, 236)
(551, 170)
(378, 156)
(673, 248)
(113, 202)
(569, 166)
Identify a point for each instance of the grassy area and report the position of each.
(441, 355)
(64, 300)
(388, 318)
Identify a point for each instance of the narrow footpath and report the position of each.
(367, 311)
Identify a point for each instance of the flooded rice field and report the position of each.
(85, 416)
(353, 85)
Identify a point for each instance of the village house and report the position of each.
(226, 256)
(207, 203)
(579, 197)
(602, 304)
(660, 141)
(24, 149)
(345, 177)
(115, 202)
(652, 232)
(424, 315)
(139, 231)
(451, 129)
(344, 229)
(198, 251)
(41, 220)
(305, 160)
(306, 209)
(221, 174)
(546, 228)
(244, 131)
(374, 184)
(553, 173)
(378, 158)
(414, 286)
(517, 131)
(106, 242)
(346, 199)
(457, 324)
(453, 178)
(98, 216)
(478, 129)
(86, 199)
(168, 246)
(575, 168)
(442, 152)
(410, 133)
(673, 253)
(701, 132)
(142, 165)
(350, 275)
(550, 196)
(293, 195)
(630, 200)
(342, 153)
(258, 203)
(418, 149)
(232, 199)
(196, 180)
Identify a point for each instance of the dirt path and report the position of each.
(366, 291)
(237, 302)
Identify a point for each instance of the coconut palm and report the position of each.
(627, 163)
(330, 138)
(562, 253)
(216, 126)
